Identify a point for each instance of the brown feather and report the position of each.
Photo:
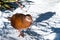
(19, 22)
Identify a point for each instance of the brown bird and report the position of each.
(20, 22)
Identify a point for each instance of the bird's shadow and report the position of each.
(44, 16)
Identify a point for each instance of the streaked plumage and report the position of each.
(21, 21)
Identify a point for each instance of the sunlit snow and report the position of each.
(44, 29)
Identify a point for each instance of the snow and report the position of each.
(43, 30)
(50, 37)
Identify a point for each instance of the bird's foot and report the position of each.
(21, 34)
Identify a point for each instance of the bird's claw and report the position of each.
(21, 34)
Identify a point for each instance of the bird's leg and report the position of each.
(21, 34)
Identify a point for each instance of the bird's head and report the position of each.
(28, 18)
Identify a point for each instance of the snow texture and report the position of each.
(45, 26)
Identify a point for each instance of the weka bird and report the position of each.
(21, 22)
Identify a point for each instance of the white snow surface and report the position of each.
(7, 32)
